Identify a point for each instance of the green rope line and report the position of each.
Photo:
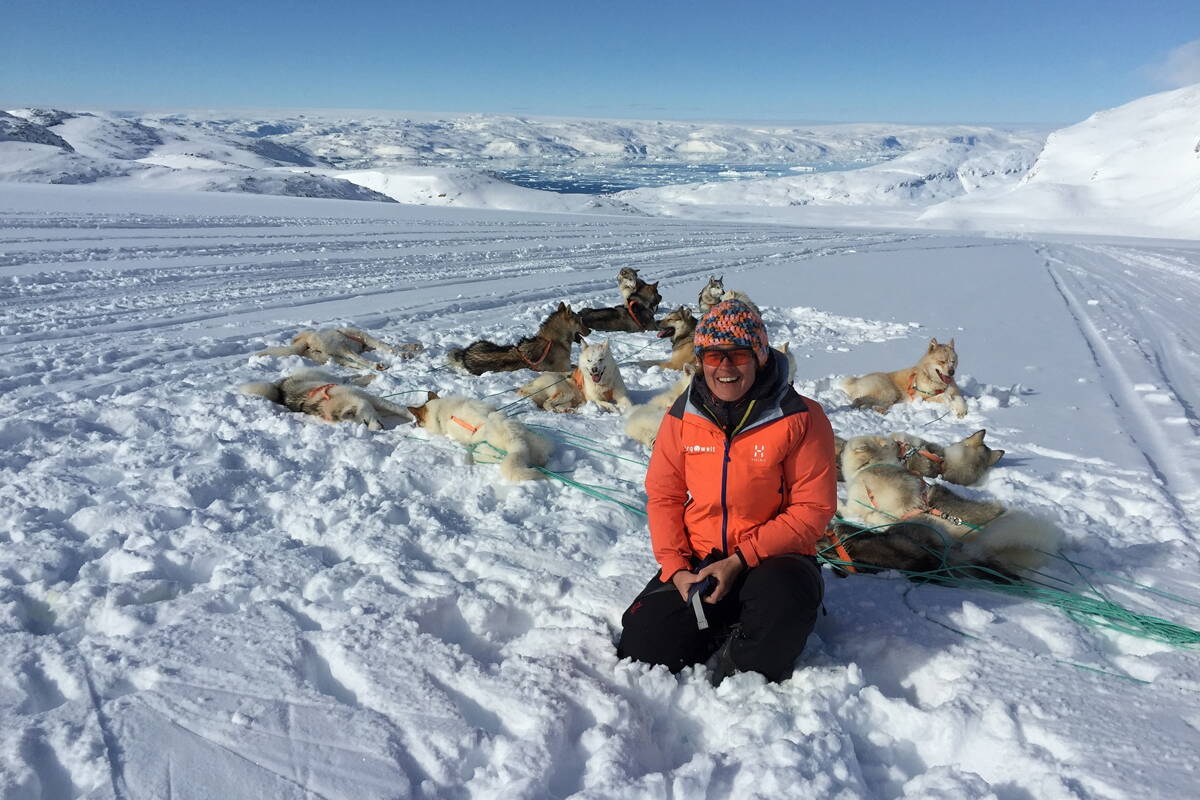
(1083, 609)
(583, 487)
(935, 419)
(639, 462)
(1122, 579)
(629, 358)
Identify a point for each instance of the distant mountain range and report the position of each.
(1134, 169)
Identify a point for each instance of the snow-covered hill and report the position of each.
(1133, 169)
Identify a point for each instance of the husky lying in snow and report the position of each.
(711, 294)
(316, 392)
(493, 436)
(597, 380)
(549, 350)
(679, 325)
(637, 314)
(963, 462)
(730, 294)
(907, 546)
(931, 379)
(880, 491)
(343, 346)
(642, 421)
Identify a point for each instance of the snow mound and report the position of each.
(15, 129)
(1135, 169)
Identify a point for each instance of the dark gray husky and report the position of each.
(636, 315)
(549, 350)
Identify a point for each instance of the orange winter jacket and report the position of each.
(768, 490)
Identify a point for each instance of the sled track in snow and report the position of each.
(1139, 356)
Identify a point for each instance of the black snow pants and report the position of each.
(770, 611)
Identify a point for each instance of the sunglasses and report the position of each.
(738, 358)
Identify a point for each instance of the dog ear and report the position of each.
(950, 344)
(975, 439)
(932, 344)
(994, 457)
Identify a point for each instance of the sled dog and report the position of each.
(880, 491)
(636, 315)
(549, 350)
(597, 379)
(642, 421)
(679, 325)
(730, 294)
(931, 379)
(316, 392)
(343, 346)
(711, 294)
(489, 433)
(907, 546)
(963, 462)
(627, 282)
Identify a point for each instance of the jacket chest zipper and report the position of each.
(724, 500)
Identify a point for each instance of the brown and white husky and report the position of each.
(549, 350)
(931, 379)
(316, 392)
(880, 491)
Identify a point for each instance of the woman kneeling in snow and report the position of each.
(741, 484)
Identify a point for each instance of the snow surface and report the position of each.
(202, 595)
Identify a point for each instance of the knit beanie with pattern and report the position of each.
(732, 323)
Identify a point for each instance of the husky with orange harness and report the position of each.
(931, 379)
(342, 346)
(963, 462)
(597, 380)
(316, 392)
(491, 435)
(549, 350)
(880, 491)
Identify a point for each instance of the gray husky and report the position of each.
(549, 350)
(316, 392)
(711, 294)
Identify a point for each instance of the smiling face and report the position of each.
(728, 371)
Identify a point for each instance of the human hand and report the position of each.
(724, 571)
(683, 581)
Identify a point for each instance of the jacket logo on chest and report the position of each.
(760, 454)
(692, 449)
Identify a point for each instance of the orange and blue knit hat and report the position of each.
(732, 323)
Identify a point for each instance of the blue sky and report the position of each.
(1017, 61)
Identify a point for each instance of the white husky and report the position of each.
(491, 435)
(597, 380)
(881, 491)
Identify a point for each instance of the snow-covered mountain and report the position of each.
(931, 174)
(1135, 169)
(416, 159)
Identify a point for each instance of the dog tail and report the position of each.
(524, 449)
(1015, 540)
(270, 391)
